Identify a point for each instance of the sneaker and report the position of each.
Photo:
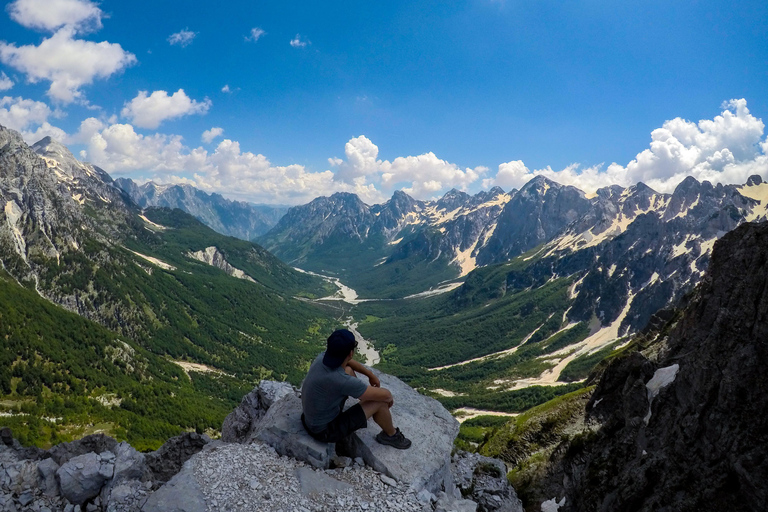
(398, 440)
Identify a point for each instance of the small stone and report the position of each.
(26, 498)
(387, 480)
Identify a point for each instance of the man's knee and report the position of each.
(370, 407)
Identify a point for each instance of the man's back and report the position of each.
(324, 391)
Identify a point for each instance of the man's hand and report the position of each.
(374, 380)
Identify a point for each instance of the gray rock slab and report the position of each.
(429, 426)
(271, 391)
(281, 428)
(81, 478)
(182, 493)
(46, 469)
(314, 482)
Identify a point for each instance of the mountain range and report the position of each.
(234, 218)
(502, 300)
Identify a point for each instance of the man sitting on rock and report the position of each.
(330, 380)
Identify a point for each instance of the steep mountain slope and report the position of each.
(62, 377)
(677, 421)
(67, 233)
(234, 218)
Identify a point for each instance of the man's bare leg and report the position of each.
(378, 410)
(381, 415)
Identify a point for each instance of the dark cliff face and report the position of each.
(702, 442)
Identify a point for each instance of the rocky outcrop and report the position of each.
(273, 464)
(678, 422)
(484, 481)
(430, 427)
(214, 257)
(426, 465)
(93, 473)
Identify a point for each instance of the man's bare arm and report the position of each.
(359, 368)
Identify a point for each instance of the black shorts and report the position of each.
(341, 426)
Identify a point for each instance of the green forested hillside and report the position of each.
(152, 304)
(62, 376)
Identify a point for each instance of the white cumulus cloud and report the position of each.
(209, 135)
(421, 176)
(148, 111)
(119, 149)
(5, 82)
(51, 15)
(65, 62)
(226, 89)
(182, 38)
(297, 42)
(30, 118)
(255, 34)
(726, 149)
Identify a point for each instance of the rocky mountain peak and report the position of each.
(754, 180)
(452, 199)
(50, 147)
(539, 186)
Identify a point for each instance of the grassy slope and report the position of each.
(496, 309)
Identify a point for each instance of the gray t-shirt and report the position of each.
(324, 391)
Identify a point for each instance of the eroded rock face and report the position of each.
(168, 460)
(484, 481)
(702, 442)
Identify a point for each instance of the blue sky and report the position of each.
(371, 97)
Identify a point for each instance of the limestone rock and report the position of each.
(169, 458)
(270, 392)
(429, 426)
(122, 492)
(238, 425)
(82, 477)
(484, 481)
(181, 494)
(281, 428)
(47, 471)
(447, 504)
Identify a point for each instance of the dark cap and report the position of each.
(340, 342)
